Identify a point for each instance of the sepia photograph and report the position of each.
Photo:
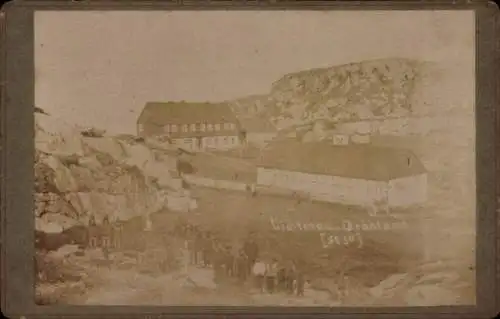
(255, 158)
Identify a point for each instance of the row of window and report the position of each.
(200, 127)
(221, 141)
(211, 141)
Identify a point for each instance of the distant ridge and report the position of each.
(352, 91)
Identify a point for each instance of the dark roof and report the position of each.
(161, 113)
(361, 161)
(256, 125)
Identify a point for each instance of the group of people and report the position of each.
(243, 263)
(278, 276)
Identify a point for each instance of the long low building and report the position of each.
(361, 175)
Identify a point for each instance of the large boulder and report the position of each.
(77, 176)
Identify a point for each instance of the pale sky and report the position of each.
(100, 68)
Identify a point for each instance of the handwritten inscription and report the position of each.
(347, 225)
(346, 234)
(331, 239)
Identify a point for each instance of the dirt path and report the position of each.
(127, 287)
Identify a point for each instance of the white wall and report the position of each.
(208, 142)
(408, 191)
(402, 192)
(214, 183)
(186, 143)
(220, 142)
(324, 187)
(360, 139)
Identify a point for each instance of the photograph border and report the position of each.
(17, 158)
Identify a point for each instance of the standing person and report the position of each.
(190, 244)
(242, 266)
(181, 228)
(344, 287)
(251, 249)
(217, 261)
(92, 233)
(290, 278)
(228, 260)
(106, 232)
(117, 234)
(271, 275)
(259, 273)
(166, 260)
(207, 249)
(198, 245)
(235, 253)
(301, 280)
(281, 277)
(105, 237)
(186, 258)
(92, 221)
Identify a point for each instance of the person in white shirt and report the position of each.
(259, 272)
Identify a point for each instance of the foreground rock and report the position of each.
(80, 175)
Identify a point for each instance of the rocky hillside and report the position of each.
(363, 90)
(79, 174)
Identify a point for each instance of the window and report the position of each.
(217, 127)
(232, 126)
(203, 127)
(210, 127)
(192, 127)
(173, 128)
(185, 128)
(166, 128)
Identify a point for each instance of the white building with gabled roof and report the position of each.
(354, 174)
(192, 126)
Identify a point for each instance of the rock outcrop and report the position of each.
(77, 175)
(355, 91)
